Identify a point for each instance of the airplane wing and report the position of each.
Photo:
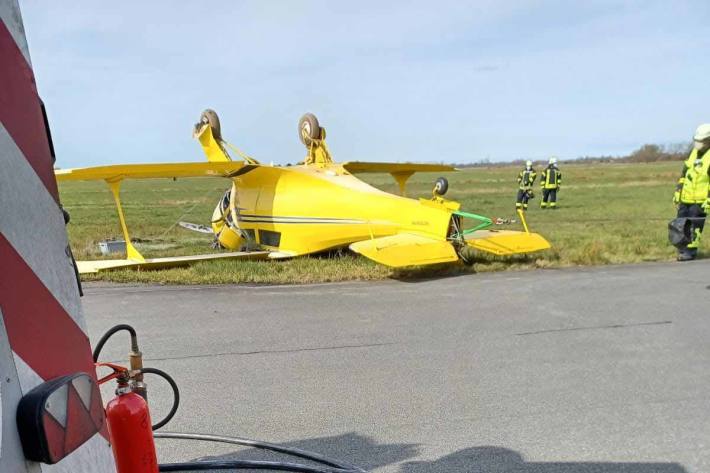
(406, 249)
(356, 167)
(97, 266)
(117, 172)
(401, 172)
(505, 242)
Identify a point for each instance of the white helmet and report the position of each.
(528, 163)
(553, 160)
(702, 133)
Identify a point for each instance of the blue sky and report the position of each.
(418, 81)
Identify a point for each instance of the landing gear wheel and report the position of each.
(210, 116)
(308, 129)
(441, 186)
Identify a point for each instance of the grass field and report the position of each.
(608, 214)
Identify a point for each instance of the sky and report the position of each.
(445, 81)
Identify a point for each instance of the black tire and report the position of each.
(308, 129)
(441, 186)
(210, 116)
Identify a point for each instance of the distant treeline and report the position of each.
(645, 154)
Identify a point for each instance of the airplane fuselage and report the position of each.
(309, 208)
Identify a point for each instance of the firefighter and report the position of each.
(692, 194)
(526, 179)
(550, 181)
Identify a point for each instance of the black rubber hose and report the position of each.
(248, 465)
(295, 452)
(110, 333)
(176, 394)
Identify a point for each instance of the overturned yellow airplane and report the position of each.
(317, 205)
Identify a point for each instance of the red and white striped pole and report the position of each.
(42, 330)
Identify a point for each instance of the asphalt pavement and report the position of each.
(583, 370)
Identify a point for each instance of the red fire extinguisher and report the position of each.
(129, 427)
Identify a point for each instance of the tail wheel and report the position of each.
(441, 186)
(210, 116)
(308, 129)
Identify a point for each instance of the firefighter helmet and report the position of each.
(702, 133)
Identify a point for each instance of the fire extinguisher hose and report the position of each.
(112, 331)
(176, 394)
(329, 465)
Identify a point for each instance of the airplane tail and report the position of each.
(506, 243)
(406, 249)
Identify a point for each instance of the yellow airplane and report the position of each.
(317, 205)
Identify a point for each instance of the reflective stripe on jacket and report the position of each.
(551, 178)
(526, 178)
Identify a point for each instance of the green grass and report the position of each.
(608, 214)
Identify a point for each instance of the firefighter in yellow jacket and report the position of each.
(526, 179)
(692, 194)
(550, 181)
